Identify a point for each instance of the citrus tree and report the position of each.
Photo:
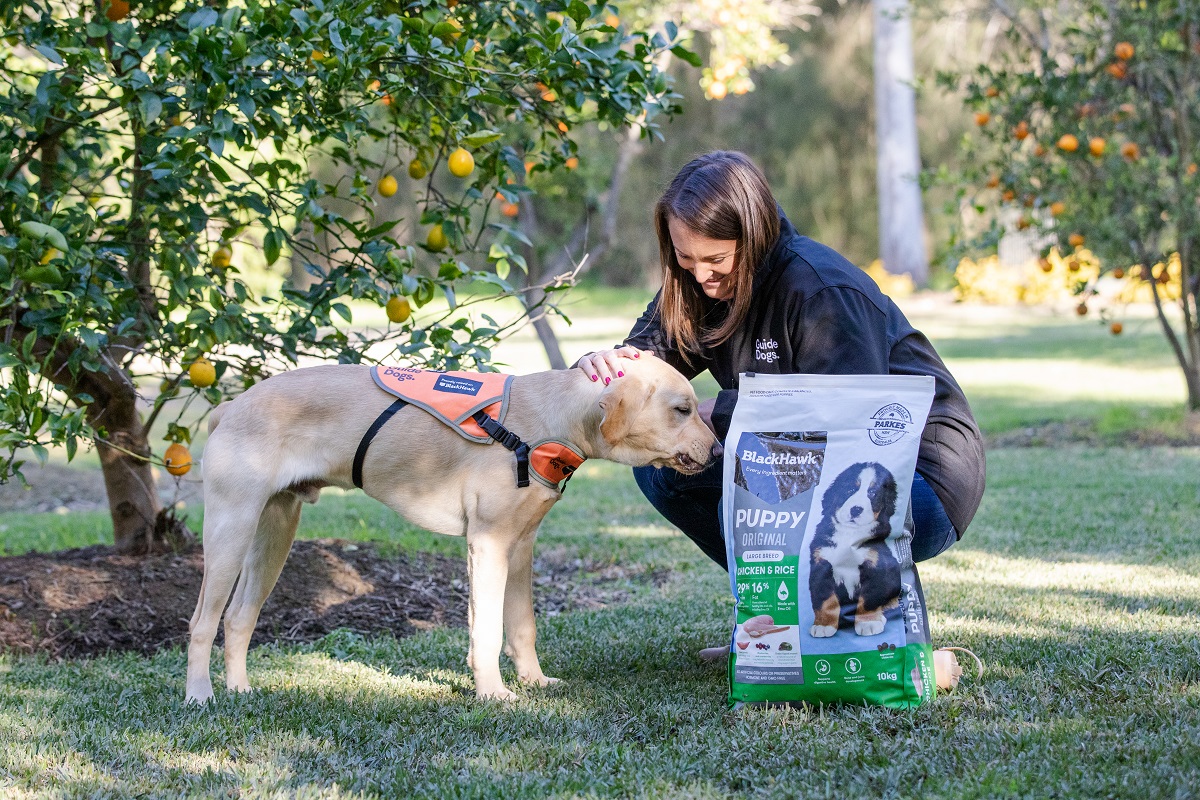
(1090, 127)
(144, 147)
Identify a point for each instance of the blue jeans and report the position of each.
(690, 503)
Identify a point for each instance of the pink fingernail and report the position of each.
(620, 374)
(594, 377)
(607, 381)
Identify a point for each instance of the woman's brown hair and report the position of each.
(720, 195)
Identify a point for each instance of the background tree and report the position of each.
(142, 149)
(1088, 124)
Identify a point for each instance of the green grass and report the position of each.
(1077, 584)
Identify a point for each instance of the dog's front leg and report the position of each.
(520, 628)
(487, 564)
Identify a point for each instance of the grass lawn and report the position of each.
(1077, 584)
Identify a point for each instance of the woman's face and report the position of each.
(710, 261)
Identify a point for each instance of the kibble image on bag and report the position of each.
(818, 530)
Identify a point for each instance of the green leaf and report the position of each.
(272, 243)
(342, 310)
(502, 267)
(49, 52)
(480, 138)
(151, 106)
(204, 18)
(679, 51)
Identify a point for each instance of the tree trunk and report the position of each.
(901, 218)
(629, 147)
(129, 479)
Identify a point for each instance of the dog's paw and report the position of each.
(538, 680)
(822, 631)
(502, 694)
(198, 697)
(869, 627)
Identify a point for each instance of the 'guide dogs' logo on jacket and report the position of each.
(889, 424)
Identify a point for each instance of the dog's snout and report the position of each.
(717, 450)
(856, 512)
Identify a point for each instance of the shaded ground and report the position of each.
(85, 602)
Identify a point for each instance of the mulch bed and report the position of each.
(86, 602)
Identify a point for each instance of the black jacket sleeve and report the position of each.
(837, 331)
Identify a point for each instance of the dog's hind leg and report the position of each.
(260, 570)
(520, 629)
(229, 525)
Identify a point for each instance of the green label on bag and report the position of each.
(775, 479)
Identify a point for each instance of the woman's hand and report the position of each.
(604, 365)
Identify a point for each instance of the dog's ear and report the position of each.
(621, 402)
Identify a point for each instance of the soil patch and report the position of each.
(90, 601)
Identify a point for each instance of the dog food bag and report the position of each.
(818, 473)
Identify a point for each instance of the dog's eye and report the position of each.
(685, 410)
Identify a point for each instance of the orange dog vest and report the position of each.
(474, 405)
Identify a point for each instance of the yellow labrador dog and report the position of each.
(285, 438)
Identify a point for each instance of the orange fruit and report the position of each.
(1123, 51)
(387, 186)
(1076, 240)
(1191, 170)
(562, 127)
(1130, 151)
(177, 459)
(202, 373)
(1040, 150)
(1057, 207)
(1073, 265)
(993, 181)
(117, 10)
(386, 99)
(992, 91)
(1008, 195)
(1068, 143)
(1045, 264)
(222, 257)
(1021, 132)
(417, 169)
(1081, 309)
(982, 118)
(1117, 69)
(1096, 146)
(461, 163)
(398, 309)
(510, 210)
(1118, 273)
(1116, 328)
(436, 241)
(572, 162)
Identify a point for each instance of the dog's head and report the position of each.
(861, 501)
(650, 418)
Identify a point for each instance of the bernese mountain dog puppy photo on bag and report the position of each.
(852, 565)
(818, 531)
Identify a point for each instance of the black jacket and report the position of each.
(814, 312)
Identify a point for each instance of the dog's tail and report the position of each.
(214, 419)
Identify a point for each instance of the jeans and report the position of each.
(691, 503)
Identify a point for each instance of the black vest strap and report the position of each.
(509, 441)
(361, 454)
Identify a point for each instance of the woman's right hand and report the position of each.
(604, 365)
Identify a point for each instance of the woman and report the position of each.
(744, 292)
